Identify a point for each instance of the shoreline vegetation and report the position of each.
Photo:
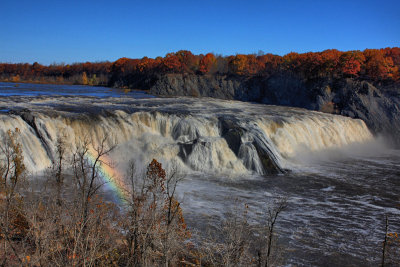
(374, 65)
(66, 220)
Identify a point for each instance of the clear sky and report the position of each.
(68, 31)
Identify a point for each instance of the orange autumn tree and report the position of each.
(291, 61)
(188, 61)
(182, 61)
(171, 63)
(394, 54)
(308, 64)
(330, 62)
(206, 63)
(147, 64)
(269, 64)
(239, 65)
(351, 62)
(377, 66)
(253, 66)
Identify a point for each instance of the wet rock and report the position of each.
(185, 149)
(376, 104)
(232, 133)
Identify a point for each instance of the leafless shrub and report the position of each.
(67, 222)
(13, 225)
(154, 225)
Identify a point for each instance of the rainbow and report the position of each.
(112, 178)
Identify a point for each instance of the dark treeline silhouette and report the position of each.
(374, 65)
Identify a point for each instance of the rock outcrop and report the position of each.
(377, 105)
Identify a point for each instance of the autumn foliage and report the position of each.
(370, 64)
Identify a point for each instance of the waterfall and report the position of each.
(259, 139)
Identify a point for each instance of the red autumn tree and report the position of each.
(206, 63)
(351, 62)
(393, 53)
(330, 61)
(188, 61)
(147, 65)
(171, 63)
(377, 66)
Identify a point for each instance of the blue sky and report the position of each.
(77, 31)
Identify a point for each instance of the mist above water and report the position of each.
(217, 137)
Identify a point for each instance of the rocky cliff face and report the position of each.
(378, 106)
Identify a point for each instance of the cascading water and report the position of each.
(340, 190)
(206, 136)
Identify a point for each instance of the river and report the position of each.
(339, 180)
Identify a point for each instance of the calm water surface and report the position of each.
(27, 89)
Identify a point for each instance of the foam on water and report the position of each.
(189, 131)
(341, 184)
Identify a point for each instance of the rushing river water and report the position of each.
(336, 212)
(340, 182)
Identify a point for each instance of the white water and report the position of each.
(339, 193)
(157, 131)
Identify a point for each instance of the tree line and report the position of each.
(371, 64)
